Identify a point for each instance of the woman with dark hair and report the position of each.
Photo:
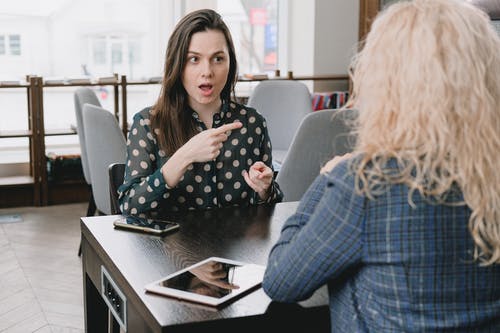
(196, 148)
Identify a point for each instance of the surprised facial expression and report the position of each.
(207, 66)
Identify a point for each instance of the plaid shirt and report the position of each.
(389, 267)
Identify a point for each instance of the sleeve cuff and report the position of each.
(158, 181)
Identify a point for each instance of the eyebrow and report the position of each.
(198, 53)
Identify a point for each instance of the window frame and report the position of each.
(9, 47)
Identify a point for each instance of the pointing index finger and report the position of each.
(228, 127)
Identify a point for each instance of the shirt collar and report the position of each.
(217, 117)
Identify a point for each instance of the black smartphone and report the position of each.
(147, 225)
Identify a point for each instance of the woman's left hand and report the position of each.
(259, 178)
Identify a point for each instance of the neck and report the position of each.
(206, 112)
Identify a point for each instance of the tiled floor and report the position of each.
(40, 271)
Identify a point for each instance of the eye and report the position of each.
(219, 59)
(193, 59)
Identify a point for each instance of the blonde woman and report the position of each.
(406, 230)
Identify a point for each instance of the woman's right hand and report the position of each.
(202, 147)
(206, 146)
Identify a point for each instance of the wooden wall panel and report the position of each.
(368, 9)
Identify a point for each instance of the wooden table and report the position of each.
(133, 260)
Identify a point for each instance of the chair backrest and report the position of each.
(284, 103)
(82, 96)
(116, 175)
(105, 145)
(320, 136)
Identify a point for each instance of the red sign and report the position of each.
(258, 16)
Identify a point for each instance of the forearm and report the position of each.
(175, 167)
(140, 194)
(282, 253)
(319, 242)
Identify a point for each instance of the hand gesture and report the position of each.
(206, 146)
(259, 178)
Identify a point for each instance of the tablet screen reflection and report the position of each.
(212, 278)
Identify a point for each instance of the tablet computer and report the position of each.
(213, 281)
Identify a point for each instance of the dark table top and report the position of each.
(243, 234)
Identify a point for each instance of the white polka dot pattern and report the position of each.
(204, 185)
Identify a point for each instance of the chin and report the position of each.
(206, 100)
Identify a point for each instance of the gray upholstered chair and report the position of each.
(82, 96)
(284, 103)
(105, 145)
(320, 136)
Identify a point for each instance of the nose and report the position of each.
(206, 69)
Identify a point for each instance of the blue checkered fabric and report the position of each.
(389, 266)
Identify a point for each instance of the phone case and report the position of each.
(149, 226)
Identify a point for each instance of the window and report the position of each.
(15, 44)
(385, 3)
(2, 45)
(10, 45)
(114, 53)
(496, 25)
(99, 50)
(254, 28)
(134, 51)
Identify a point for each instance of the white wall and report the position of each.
(336, 35)
(83, 17)
(34, 53)
(322, 38)
(164, 25)
(301, 37)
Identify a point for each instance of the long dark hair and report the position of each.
(174, 125)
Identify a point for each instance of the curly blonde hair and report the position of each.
(427, 87)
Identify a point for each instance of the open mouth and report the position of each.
(206, 89)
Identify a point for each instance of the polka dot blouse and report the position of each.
(204, 185)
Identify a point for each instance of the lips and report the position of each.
(206, 89)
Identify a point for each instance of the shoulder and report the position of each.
(344, 174)
(143, 114)
(141, 125)
(341, 184)
(143, 118)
